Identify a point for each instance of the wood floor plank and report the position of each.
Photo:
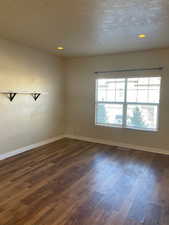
(72, 182)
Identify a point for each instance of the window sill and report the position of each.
(128, 128)
(108, 125)
(139, 129)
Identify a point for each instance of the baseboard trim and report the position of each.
(123, 145)
(30, 147)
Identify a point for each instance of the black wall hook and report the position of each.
(35, 95)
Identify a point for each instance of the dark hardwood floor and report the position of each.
(72, 182)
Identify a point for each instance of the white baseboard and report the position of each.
(30, 147)
(123, 145)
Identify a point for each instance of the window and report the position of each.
(128, 102)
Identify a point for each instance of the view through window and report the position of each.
(128, 102)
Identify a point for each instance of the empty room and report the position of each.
(84, 112)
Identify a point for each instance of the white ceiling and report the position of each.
(86, 27)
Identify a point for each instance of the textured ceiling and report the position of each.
(86, 27)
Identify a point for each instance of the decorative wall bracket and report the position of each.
(11, 96)
(36, 95)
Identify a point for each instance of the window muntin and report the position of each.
(110, 90)
(128, 102)
(143, 90)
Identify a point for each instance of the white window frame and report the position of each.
(125, 103)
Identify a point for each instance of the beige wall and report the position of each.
(24, 122)
(80, 97)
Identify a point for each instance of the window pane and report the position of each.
(111, 90)
(142, 116)
(110, 114)
(143, 90)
